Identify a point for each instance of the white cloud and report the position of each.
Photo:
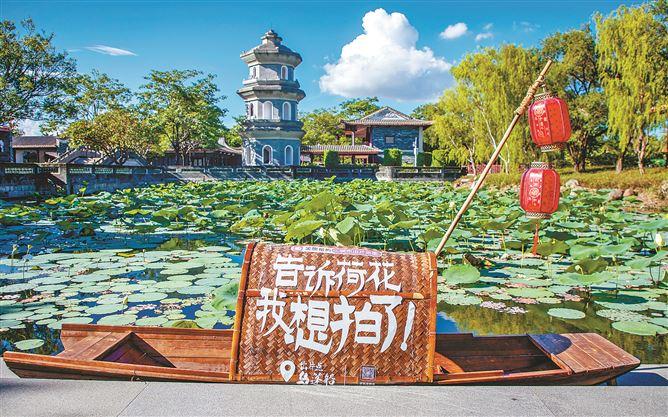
(109, 50)
(384, 61)
(454, 31)
(30, 127)
(482, 36)
(525, 27)
(488, 26)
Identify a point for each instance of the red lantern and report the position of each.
(539, 191)
(549, 122)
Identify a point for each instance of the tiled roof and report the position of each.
(387, 116)
(358, 149)
(35, 142)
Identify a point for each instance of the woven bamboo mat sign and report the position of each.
(332, 315)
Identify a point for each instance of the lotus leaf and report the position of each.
(57, 325)
(195, 290)
(461, 274)
(455, 298)
(639, 328)
(14, 288)
(146, 297)
(566, 313)
(117, 320)
(151, 321)
(105, 309)
(8, 323)
(529, 292)
(29, 344)
(621, 315)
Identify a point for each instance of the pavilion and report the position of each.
(388, 128)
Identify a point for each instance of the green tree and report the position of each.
(322, 126)
(116, 134)
(392, 157)
(427, 111)
(183, 107)
(331, 159)
(439, 158)
(32, 71)
(575, 77)
(455, 130)
(632, 43)
(85, 97)
(358, 107)
(232, 135)
(496, 81)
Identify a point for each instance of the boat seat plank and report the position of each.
(584, 352)
(90, 347)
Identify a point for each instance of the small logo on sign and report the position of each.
(368, 374)
(287, 369)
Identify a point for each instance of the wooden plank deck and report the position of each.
(584, 352)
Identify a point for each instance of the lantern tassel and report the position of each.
(534, 249)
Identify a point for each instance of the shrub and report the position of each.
(439, 158)
(392, 157)
(423, 159)
(331, 159)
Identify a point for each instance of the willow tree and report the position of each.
(497, 80)
(455, 129)
(575, 77)
(632, 43)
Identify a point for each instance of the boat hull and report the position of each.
(197, 355)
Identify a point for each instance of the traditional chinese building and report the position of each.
(273, 134)
(38, 149)
(388, 128)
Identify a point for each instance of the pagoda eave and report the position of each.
(271, 57)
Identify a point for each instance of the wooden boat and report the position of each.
(199, 355)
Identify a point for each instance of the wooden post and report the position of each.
(518, 113)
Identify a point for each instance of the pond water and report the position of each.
(170, 256)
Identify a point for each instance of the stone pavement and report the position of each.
(643, 392)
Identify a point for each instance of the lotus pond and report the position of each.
(170, 255)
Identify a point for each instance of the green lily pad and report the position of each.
(461, 274)
(566, 313)
(529, 292)
(105, 309)
(151, 321)
(639, 328)
(146, 297)
(29, 344)
(117, 320)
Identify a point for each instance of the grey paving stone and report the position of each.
(39, 397)
(604, 401)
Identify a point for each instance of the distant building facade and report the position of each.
(6, 154)
(272, 93)
(38, 149)
(388, 128)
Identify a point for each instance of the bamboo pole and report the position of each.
(518, 113)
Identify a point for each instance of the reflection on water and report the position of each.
(485, 321)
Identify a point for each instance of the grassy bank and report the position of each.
(601, 177)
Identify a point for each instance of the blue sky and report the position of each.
(403, 54)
